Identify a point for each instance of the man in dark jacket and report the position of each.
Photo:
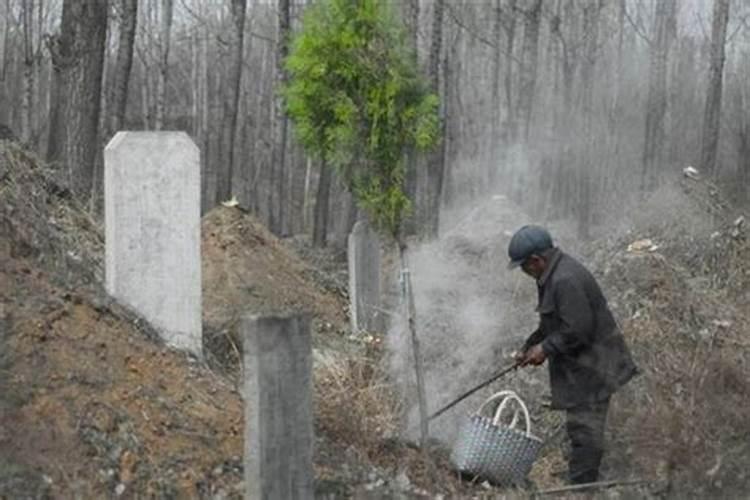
(588, 358)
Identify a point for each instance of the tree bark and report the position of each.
(320, 225)
(239, 10)
(410, 13)
(208, 200)
(167, 8)
(78, 58)
(743, 141)
(436, 169)
(27, 103)
(509, 97)
(587, 167)
(278, 191)
(306, 201)
(656, 101)
(497, 33)
(712, 113)
(4, 45)
(123, 64)
(529, 69)
(566, 29)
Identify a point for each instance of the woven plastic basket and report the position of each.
(500, 453)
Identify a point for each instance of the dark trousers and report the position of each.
(585, 425)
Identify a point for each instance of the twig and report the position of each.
(637, 28)
(592, 486)
(460, 23)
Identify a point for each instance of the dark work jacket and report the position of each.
(587, 356)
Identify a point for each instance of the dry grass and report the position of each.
(44, 218)
(685, 418)
(355, 402)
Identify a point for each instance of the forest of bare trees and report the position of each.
(572, 107)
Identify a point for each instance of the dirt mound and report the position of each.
(246, 269)
(92, 406)
(41, 219)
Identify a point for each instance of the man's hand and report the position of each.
(534, 355)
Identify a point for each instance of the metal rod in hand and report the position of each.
(473, 390)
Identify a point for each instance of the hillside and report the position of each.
(93, 405)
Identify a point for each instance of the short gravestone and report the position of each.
(152, 218)
(278, 408)
(364, 278)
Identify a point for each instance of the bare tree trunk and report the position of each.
(27, 103)
(320, 228)
(614, 138)
(587, 167)
(195, 88)
(656, 102)
(497, 33)
(712, 113)
(145, 51)
(203, 119)
(743, 136)
(167, 7)
(529, 69)
(306, 202)
(277, 193)
(450, 86)
(261, 169)
(4, 45)
(510, 46)
(38, 100)
(145, 97)
(565, 28)
(123, 64)
(5, 37)
(410, 13)
(436, 158)
(78, 57)
(224, 185)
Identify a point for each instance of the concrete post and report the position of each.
(152, 218)
(278, 408)
(364, 278)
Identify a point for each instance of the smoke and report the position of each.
(472, 312)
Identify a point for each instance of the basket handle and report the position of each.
(508, 396)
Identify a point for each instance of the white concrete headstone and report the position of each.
(152, 217)
(364, 278)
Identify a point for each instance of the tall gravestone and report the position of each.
(364, 278)
(278, 408)
(152, 218)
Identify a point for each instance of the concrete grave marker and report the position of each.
(152, 217)
(278, 408)
(364, 278)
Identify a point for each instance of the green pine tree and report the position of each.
(359, 103)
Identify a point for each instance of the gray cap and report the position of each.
(527, 241)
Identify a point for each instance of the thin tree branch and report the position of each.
(476, 36)
(636, 27)
(741, 24)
